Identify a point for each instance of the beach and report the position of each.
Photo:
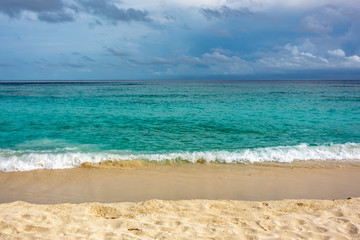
(184, 219)
(182, 201)
(142, 120)
(180, 159)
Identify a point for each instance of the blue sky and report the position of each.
(133, 39)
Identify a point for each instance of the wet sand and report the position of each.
(179, 182)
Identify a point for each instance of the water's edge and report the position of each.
(26, 160)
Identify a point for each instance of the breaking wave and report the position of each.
(11, 160)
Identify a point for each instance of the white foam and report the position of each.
(69, 158)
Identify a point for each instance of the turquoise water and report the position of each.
(61, 125)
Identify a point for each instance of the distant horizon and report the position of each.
(164, 80)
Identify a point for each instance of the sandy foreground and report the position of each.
(183, 219)
(65, 203)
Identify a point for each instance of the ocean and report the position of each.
(56, 125)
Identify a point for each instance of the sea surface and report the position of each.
(54, 125)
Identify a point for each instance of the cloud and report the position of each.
(216, 57)
(73, 65)
(159, 60)
(225, 12)
(6, 65)
(219, 63)
(290, 58)
(324, 20)
(89, 59)
(50, 11)
(212, 62)
(95, 23)
(13, 8)
(336, 53)
(83, 57)
(56, 11)
(110, 11)
(221, 50)
(315, 25)
(55, 17)
(221, 32)
(354, 59)
(155, 39)
(116, 52)
(190, 60)
(151, 61)
(340, 57)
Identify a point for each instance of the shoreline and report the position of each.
(130, 182)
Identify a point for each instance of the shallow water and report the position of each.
(61, 125)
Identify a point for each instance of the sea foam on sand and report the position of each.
(183, 219)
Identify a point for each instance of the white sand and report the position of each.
(182, 219)
(188, 219)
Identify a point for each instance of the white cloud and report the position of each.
(155, 4)
(294, 50)
(264, 5)
(218, 58)
(354, 59)
(209, 63)
(283, 59)
(337, 53)
(339, 57)
(290, 57)
(222, 64)
(189, 60)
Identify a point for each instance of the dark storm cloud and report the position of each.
(55, 17)
(111, 12)
(225, 12)
(56, 11)
(14, 7)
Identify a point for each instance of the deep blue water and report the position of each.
(41, 123)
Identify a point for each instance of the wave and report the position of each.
(11, 160)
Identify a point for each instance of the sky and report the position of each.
(179, 39)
